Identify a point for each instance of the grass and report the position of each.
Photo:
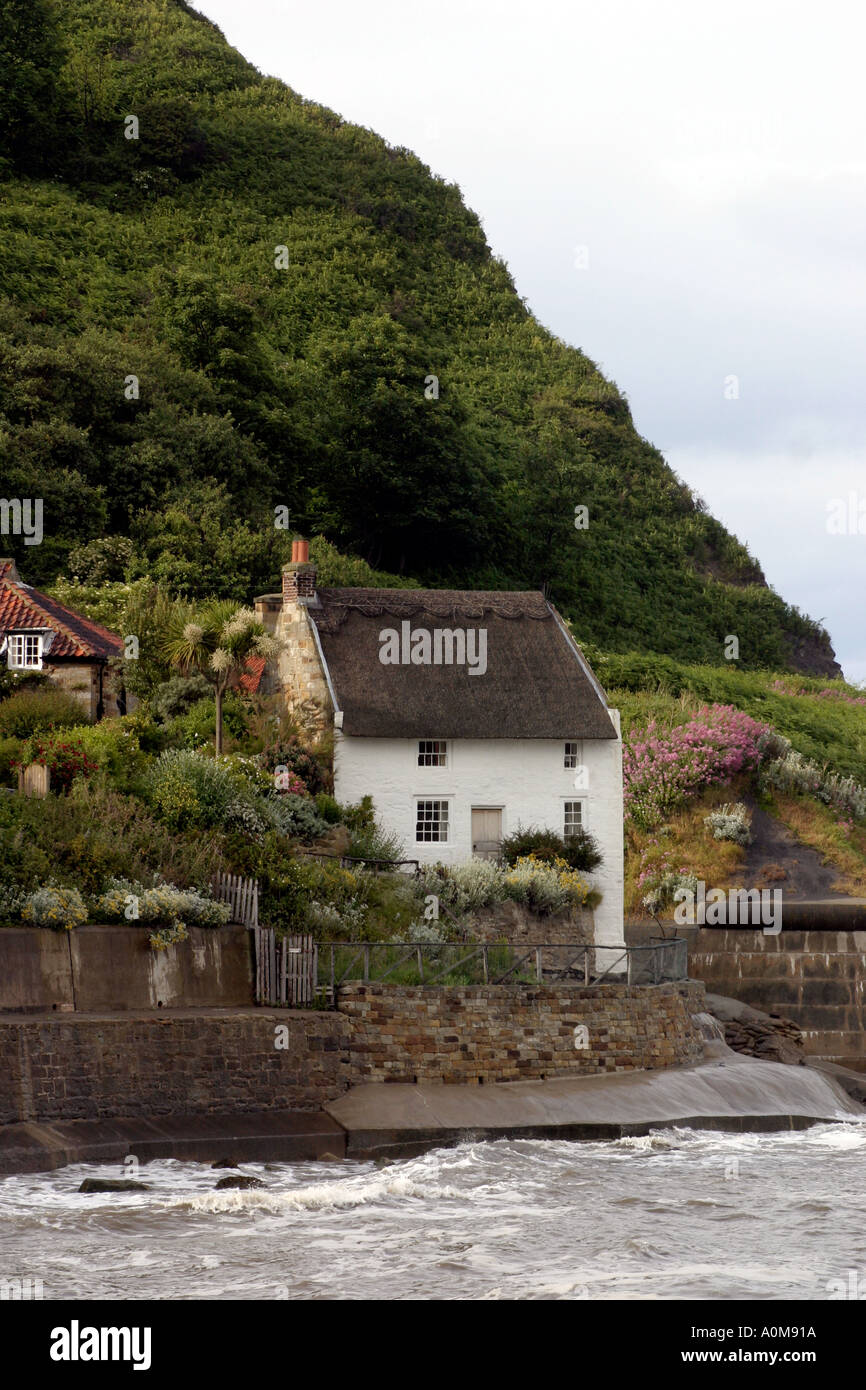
(683, 842)
(396, 964)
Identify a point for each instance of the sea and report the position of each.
(679, 1215)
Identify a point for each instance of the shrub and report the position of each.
(580, 850)
(33, 711)
(10, 757)
(295, 816)
(197, 726)
(12, 901)
(177, 695)
(188, 789)
(662, 767)
(480, 883)
(291, 755)
(130, 901)
(285, 781)
(422, 931)
(168, 936)
(55, 907)
(329, 809)
(248, 816)
(730, 823)
(113, 747)
(662, 893)
(464, 888)
(361, 816)
(794, 773)
(290, 887)
(152, 737)
(95, 834)
(546, 887)
(329, 922)
(373, 842)
(63, 754)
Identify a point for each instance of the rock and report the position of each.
(239, 1180)
(329, 1158)
(336, 841)
(224, 1163)
(113, 1185)
(769, 1037)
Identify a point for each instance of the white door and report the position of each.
(486, 831)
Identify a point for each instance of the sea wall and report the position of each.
(500, 1033)
(77, 1066)
(87, 1067)
(115, 968)
(814, 978)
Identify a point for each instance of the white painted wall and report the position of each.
(526, 777)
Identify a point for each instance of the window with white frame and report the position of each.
(573, 819)
(431, 821)
(25, 650)
(573, 754)
(432, 752)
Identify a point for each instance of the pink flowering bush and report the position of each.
(663, 767)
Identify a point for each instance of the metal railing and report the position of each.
(467, 963)
(383, 866)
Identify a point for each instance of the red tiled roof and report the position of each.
(23, 609)
(252, 674)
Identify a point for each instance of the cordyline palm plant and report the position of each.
(218, 639)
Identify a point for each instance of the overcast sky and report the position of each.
(711, 160)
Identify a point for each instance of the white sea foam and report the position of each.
(668, 1215)
(320, 1196)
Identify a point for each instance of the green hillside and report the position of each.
(301, 378)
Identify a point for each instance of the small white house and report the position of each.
(463, 714)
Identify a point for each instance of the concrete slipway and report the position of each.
(725, 1092)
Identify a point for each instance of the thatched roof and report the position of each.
(536, 683)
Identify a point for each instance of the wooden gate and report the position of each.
(286, 969)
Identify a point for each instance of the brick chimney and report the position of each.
(299, 577)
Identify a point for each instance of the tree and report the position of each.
(31, 57)
(202, 542)
(404, 480)
(218, 639)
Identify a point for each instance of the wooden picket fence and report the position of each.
(242, 896)
(286, 970)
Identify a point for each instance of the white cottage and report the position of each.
(464, 714)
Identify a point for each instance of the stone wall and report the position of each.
(70, 1067)
(80, 679)
(510, 921)
(500, 1033)
(114, 967)
(208, 1062)
(814, 978)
